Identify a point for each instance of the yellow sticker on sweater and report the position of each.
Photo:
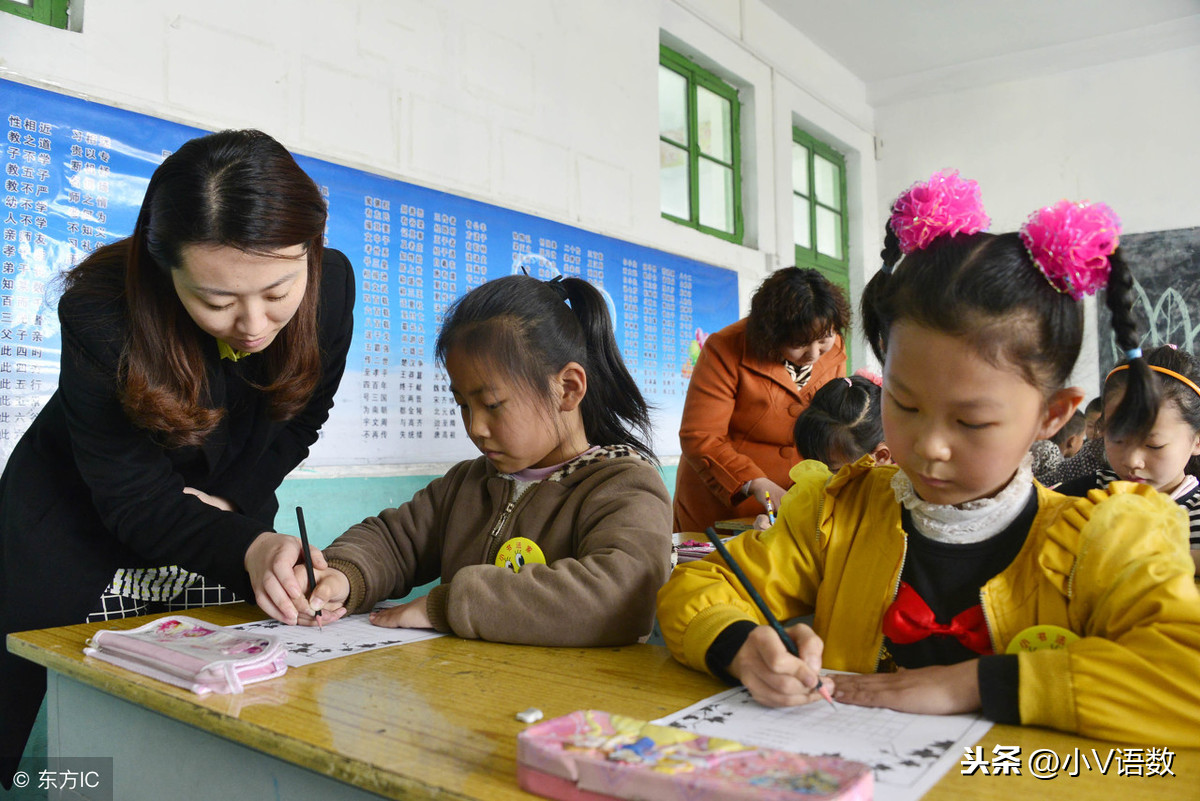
(1038, 638)
(518, 552)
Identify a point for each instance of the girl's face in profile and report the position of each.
(1161, 457)
(957, 425)
(513, 429)
(243, 299)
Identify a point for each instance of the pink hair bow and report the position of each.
(1071, 242)
(943, 205)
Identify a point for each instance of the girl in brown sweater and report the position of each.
(560, 533)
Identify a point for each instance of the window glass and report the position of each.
(829, 233)
(673, 181)
(800, 169)
(716, 196)
(802, 222)
(672, 106)
(827, 181)
(712, 125)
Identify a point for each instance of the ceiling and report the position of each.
(905, 47)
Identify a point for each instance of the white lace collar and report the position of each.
(973, 521)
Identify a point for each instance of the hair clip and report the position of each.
(945, 205)
(1070, 243)
(1177, 376)
(556, 284)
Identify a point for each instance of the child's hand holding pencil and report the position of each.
(292, 581)
(322, 601)
(780, 667)
(775, 677)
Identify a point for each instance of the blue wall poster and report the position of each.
(75, 172)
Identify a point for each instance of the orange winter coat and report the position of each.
(737, 426)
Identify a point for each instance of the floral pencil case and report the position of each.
(590, 755)
(189, 653)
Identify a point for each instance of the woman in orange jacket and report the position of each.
(752, 380)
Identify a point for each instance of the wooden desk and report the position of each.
(429, 720)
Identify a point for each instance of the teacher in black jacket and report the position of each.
(200, 357)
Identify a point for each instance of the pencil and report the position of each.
(770, 510)
(788, 642)
(308, 565)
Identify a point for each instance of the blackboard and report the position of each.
(1166, 270)
(75, 172)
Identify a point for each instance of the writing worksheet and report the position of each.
(351, 635)
(907, 752)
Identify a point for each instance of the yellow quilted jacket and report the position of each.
(1112, 567)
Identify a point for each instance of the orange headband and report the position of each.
(1162, 370)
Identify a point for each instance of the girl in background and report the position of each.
(843, 423)
(993, 593)
(840, 426)
(560, 533)
(1167, 456)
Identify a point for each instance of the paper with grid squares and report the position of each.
(908, 752)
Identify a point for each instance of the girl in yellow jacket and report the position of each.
(993, 593)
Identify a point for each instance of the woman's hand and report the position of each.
(772, 675)
(759, 488)
(411, 615)
(276, 567)
(762, 523)
(935, 690)
(211, 500)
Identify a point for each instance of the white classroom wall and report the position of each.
(542, 106)
(550, 107)
(1122, 132)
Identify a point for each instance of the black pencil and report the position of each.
(788, 642)
(308, 565)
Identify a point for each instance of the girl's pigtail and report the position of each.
(891, 249)
(943, 206)
(871, 307)
(1136, 413)
(614, 411)
(1075, 247)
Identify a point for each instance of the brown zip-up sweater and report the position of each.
(603, 522)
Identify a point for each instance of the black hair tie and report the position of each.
(556, 284)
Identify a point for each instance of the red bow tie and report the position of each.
(910, 619)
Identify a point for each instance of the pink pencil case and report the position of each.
(596, 756)
(189, 653)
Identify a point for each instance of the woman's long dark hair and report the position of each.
(524, 330)
(237, 189)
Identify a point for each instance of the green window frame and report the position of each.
(820, 219)
(820, 222)
(47, 12)
(699, 145)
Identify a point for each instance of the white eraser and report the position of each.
(531, 715)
